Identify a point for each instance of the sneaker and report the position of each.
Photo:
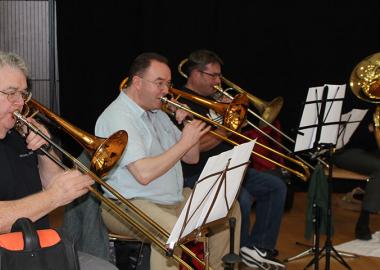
(254, 257)
(272, 252)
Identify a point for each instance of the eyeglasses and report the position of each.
(14, 95)
(160, 84)
(213, 75)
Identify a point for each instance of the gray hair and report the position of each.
(13, 60)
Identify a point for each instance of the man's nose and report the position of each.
(19, 100)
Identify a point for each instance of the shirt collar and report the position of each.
(136, 109)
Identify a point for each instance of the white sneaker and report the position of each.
(254, 257)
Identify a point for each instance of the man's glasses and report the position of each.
(14, 95)
(160, 84)
(213, 75)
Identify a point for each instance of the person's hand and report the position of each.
(181, 115)
(371, 127)
(194, 130)
(69, 185)
(225, 99)
(34, 141)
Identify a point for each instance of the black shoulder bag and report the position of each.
(28, 248)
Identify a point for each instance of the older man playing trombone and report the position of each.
(31, 185)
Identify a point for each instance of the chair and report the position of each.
(340, 173)
(128, 252)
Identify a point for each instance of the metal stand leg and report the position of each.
(328, 250)
(231, 259)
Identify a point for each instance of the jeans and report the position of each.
(269, 192)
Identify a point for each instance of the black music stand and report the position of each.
(318, 132)
(212, 198)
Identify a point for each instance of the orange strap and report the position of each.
(14, 240)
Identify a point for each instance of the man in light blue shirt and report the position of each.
(149, 172)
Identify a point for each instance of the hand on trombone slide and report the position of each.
(68, 185)
(181, 116)
(33, 140)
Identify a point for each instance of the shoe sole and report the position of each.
(254, 264)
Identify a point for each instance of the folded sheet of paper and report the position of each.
(213, 195)
(352, 119)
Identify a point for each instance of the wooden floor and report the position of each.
(292, 231)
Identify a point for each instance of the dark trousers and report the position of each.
(364, 162)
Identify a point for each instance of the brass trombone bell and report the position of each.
(235, 113)
(365, 79)
(105, 151)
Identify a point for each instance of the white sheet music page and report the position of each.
(352, 119)
(309, 119)
(206, 190)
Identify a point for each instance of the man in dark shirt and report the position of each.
(269, 191)
(31, 185)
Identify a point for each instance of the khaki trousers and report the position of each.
(166, 216)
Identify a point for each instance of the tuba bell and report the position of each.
(365, 84)
(365, 79)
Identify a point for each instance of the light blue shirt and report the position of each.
(150, 133)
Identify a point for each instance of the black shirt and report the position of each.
(19, 171)
(196, 169)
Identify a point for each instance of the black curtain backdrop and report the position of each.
(269, 49)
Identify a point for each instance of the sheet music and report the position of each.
(352, 119)
(205, 191)
(309, 119)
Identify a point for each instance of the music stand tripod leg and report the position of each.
(314, 249)
(328, 247)
(300, 255)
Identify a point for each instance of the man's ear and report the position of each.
(136, 81)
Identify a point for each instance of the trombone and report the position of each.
(269, 110)
(110, 151)
(234, 116)
(234, 119)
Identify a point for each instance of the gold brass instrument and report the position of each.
(206, 102)
(110, 151)
(232, 125)
(105, 152)
(365, 79)
(235, 113)
(268, 110)
(365, 84)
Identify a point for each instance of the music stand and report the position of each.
(213, 194)
(319, 132)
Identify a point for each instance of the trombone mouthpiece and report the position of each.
(166, 98)
(17, 114)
